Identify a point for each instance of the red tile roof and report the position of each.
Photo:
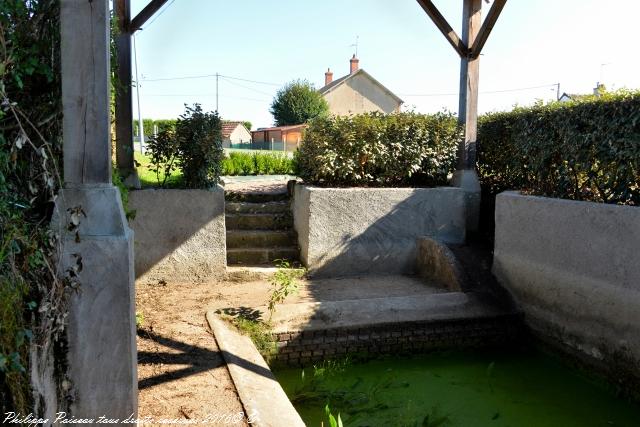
(229, 127)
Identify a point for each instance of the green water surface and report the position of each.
(455, 389)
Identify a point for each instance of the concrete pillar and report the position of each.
(102, 358)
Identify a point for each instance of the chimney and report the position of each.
(328, 77)
(354, 64)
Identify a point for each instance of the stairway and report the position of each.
(259, 229)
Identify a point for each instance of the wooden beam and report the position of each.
(124, 109)
(145, 14)
(444, 27)
(84, 38)
(469, 75)
(487, 26)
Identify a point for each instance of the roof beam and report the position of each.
(487, 26)
(145, 14)
(444, 27)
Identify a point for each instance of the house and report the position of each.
(281, 138)
(235, 135)
(357, 92)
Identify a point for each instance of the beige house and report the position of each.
(357, 92)
(234, 134)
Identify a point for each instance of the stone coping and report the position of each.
(264, 400)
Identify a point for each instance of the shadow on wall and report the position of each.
(353, 231)
(179, 234)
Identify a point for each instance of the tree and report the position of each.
(296, 103)
(247, 124)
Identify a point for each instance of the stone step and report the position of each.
(259, 221)
(267, 207)
(257, 197)
(261, 256)
(260, 238)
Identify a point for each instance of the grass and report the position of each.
(235, 163)
(148, 178)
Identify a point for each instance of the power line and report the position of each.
(158, 15)
(207, 95)
(485, 92)
(208, 76)
(246, 87)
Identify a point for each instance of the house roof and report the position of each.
(334, 84)
(229, 127)
(281, 128)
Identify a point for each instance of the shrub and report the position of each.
(375, 149)
(257, 164)
(588, 150)
(195, 147)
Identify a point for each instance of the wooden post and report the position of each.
(469, 74)
(124, 109)
(85, 91)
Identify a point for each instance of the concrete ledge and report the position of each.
(574, 269)
(264, 400)
(179, 234)
(351, 231)
(381, 311)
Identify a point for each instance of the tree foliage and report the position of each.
(297, 103)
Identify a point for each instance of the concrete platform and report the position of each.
(350, 314)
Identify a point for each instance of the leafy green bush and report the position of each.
(257, 164)
(588, 150)
(375, 149)
(195, 148)
(31, 297)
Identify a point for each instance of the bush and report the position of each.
(587, 150)
(195, 147)
(374, 149)
(257, 164)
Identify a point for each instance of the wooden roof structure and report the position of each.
(468, 46)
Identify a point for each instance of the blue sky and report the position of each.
(535, 43)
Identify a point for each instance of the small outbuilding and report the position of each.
(235, 135)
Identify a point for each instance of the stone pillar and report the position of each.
(466, 176)
(102, 359)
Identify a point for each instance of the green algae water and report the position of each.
(454, 389)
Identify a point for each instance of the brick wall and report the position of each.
(302, 348)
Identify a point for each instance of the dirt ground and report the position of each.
(181, 373)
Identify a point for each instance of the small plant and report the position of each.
(333, 422)
(285, 282)
(139, 319)
(163, 151)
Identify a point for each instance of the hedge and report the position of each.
(374, 149)
(588, 150)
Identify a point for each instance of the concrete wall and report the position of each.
(360, 95)
(179, 234)
(574, 268)
(351, 231)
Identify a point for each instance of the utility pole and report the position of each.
(217, 76)
(140, 123)
(558, 92)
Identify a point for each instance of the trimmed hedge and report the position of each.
(374, 149)
(587, 150)
(257, 164)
